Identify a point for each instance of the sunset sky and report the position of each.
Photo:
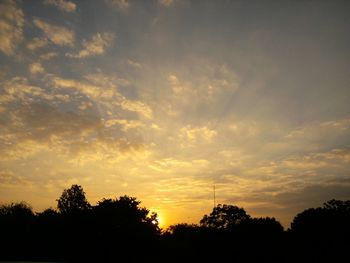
(161, 100)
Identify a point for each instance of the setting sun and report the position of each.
(161, 219)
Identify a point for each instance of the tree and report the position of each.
(224, 217)
(125, 211)
(323, 232)
(337, 205)
(73, 200)
(16, 210)
(262, 227)
(17, 222)
(120, 225)
(331, 219)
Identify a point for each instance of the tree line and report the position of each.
(120, 228)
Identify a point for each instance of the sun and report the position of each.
(160, 219)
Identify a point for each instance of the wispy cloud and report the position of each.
(134, 64)
(86, 88)
(97, 45)
(63, 5)
(166, 2)
(59, 35)
(137, 106)
(190, 135)
(11, 26)
(125, 124)
(105, 92)
(19, 89)
(48, 56)
(37, 43)
(36, 68)
(119, 4)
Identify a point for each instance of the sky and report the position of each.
(162, 99)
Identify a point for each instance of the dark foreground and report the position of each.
(119, 230)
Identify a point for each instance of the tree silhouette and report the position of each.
(16, 228)
(262, 226)
(337, 205)
(121, 228)
(16, 210)
(322, 233)
(124, 213)
(224, 217)
(332, 218)
(73, 200)
(121, 225)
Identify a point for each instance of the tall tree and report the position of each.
(73, 200)
(224, 217)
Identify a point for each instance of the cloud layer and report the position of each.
(11, 26)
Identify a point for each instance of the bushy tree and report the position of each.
(322, 233)
(16, 210)
(73, 200)
(333, 217)
(261, 228)
(337, 205)
(17, 222)
(224, 217)
(125, 211)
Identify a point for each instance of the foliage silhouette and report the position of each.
(121, 228)
(121, 222)
(73, 200)
(16, 228)
(224, 217)
(322, 233)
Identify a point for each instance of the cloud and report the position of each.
(137, 106)
(85, 105)
(59, 35)
(320, 128)
(166, 2)
(86, 88)
(134, 64)
(63, 5)
(37, 43)
(119, 4)
(105, 93)
(318, 160)
(193, 133)
(35, 127)
(125, 124)
(172, 165)
(96, 46)
(8, 177)
(342, 124)
(190, 135)
(107, 149)
(18, 89)
(48, 56)
(202, 85)
(106, 81)
(11, 26)
(32, 122)
(36, 68)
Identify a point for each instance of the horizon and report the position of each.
(162, 99)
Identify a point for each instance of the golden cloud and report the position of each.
(36, 68)
(63, 5)
(11, 26)
(96, 46)
(37, 43)
(59, 35)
